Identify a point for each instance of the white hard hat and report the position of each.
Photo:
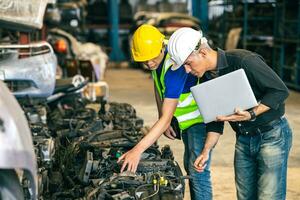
(182, 43)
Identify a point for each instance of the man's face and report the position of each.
(195, 64)
(154, 63)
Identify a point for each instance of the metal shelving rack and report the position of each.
(287, 40)
(257, 25)
(218, 28)
(274, 34)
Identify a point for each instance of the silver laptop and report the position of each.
(220, 96)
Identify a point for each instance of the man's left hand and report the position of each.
(239, 115)
(170, 133)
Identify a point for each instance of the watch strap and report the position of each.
(252, 114)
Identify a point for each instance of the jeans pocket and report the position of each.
(274, 135)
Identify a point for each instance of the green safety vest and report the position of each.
(186, 112)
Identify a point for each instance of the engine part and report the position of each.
(87, 167)
(46, 149)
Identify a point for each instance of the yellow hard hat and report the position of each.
(146, 43)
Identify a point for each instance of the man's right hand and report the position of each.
(170, 133)
(131, 160)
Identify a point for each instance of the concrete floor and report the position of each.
(136, 87)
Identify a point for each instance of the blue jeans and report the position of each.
(200, 183)
(260, 163)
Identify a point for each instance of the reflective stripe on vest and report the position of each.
(186, 112)
(188, 116)
(187, 101)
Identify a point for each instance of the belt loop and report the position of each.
(260, 134)
(259, 131)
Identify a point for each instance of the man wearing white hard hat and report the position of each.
(263, 135)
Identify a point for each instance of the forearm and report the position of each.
(201, 161)
(244, 115)
(168, 109)
(211, 141)
(156, 131)
(261, 108)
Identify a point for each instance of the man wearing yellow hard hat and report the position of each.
(175, 104)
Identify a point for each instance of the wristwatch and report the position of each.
(252, 114)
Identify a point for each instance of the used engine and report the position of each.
(78, 143)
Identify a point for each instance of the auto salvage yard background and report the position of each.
(72, 101)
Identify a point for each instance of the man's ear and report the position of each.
(203, 52)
